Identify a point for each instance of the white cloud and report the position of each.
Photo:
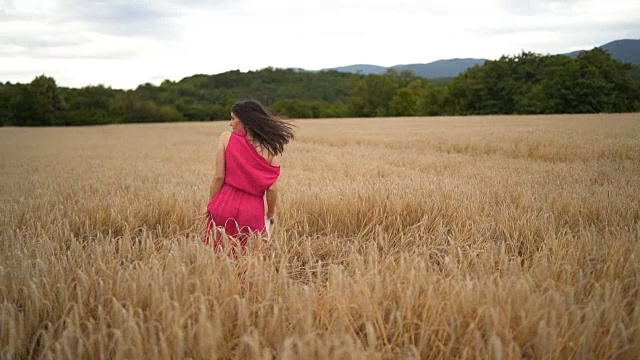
(123, 43)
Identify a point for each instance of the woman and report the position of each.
(247, 169)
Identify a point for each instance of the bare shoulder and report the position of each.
(275, 161)
(224, 138)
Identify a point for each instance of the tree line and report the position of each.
(527, 83)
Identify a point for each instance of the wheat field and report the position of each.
(399, 238)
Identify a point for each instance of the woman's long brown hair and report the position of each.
(269, 131)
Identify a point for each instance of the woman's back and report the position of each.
(245, 168)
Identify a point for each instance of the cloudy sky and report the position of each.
(124, 43)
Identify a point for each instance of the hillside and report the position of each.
(441, 68)
(626, 50)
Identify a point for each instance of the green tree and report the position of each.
(604, 84)
(434, 100)
(406, 101)
(530, 83)
(371, 95)
(8, 98)
(89, 105)
(295, 108)
(402, 78)
(39, 103)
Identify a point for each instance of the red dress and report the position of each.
(238, 207)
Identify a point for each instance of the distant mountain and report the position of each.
(623, 50)
(364, 69)
(626, 50)
(437, 69)
(441, 68)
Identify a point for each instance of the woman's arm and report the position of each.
(272, 198)
(272, 192)
(218, 177)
